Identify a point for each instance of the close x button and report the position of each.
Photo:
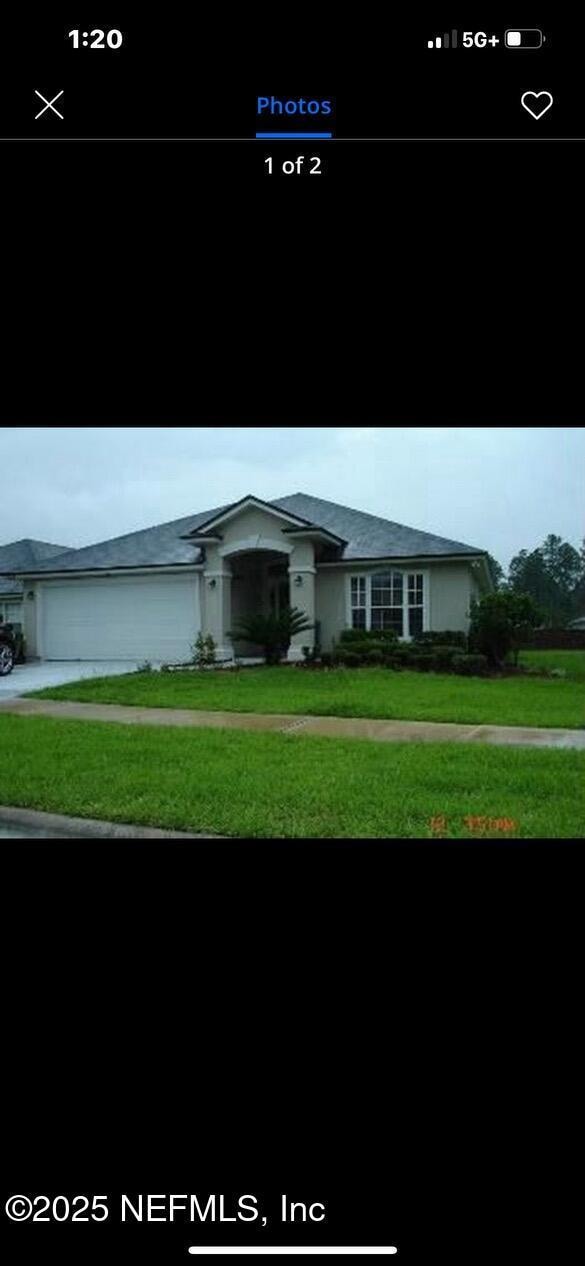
(49, 105)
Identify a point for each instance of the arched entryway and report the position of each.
(261, 585)
(253, 568)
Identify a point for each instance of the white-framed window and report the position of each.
(416, 604)
(389, 600)
(358, 602)
(12, 613)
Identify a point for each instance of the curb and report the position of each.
(90, 828)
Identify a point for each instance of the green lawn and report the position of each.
(266, 785)
(364, 692)
(570, 662)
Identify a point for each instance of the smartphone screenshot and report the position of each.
(292, 641)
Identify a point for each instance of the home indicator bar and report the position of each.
(294, 136)
(288, 1251)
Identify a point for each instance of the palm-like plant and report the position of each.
(274, 633)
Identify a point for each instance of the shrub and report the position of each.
(470, 665)
(443, 657)
(450, 637)
(326, 659)
(273, 633)
(374, 657)
(349, 659)
(422, 663)
(204, 651)
(384, 637)
(403, 656)
(364, 648)
(349, 636)
(500, 623)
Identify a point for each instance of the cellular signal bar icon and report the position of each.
(443, 41)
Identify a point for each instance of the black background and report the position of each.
(390, 1028)
(433, 280)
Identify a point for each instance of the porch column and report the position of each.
(218, 607)
(303, 573)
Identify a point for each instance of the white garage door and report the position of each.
(134, 618)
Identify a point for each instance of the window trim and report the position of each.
(369, 578)
(5, 603)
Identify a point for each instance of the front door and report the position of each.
(279, 597)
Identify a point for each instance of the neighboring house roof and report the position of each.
(23, 554)
(578, 624)
(361, 536)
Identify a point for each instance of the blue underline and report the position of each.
(293, 136)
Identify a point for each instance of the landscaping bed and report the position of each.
(272, 786)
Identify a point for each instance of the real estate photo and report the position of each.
(142, 596)
(293, 665)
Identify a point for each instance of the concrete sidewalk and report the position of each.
(18, 823)
(327, 727)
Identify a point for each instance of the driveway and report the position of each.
(36, 676)
(10, 832)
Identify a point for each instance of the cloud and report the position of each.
(503, 488)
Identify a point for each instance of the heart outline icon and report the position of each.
(535, 96)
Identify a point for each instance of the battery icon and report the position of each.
(528, 38)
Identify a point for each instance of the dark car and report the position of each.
(7, 650)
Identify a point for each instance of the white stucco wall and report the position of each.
(258, 529)
(450, 589)
(331, 605)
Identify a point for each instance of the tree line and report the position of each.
(552, 575)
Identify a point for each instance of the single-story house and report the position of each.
(146, 596)
(578, 624)
(20, 554)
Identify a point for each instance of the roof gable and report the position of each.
(239, 507)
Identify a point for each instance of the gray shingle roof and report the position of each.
(21, 553)
(367, 537)
(24, 553)
(152, 547)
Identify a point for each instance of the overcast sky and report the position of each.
(499, 488)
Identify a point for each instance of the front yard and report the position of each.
(267, 785)
(570, 662)
(364, 692)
